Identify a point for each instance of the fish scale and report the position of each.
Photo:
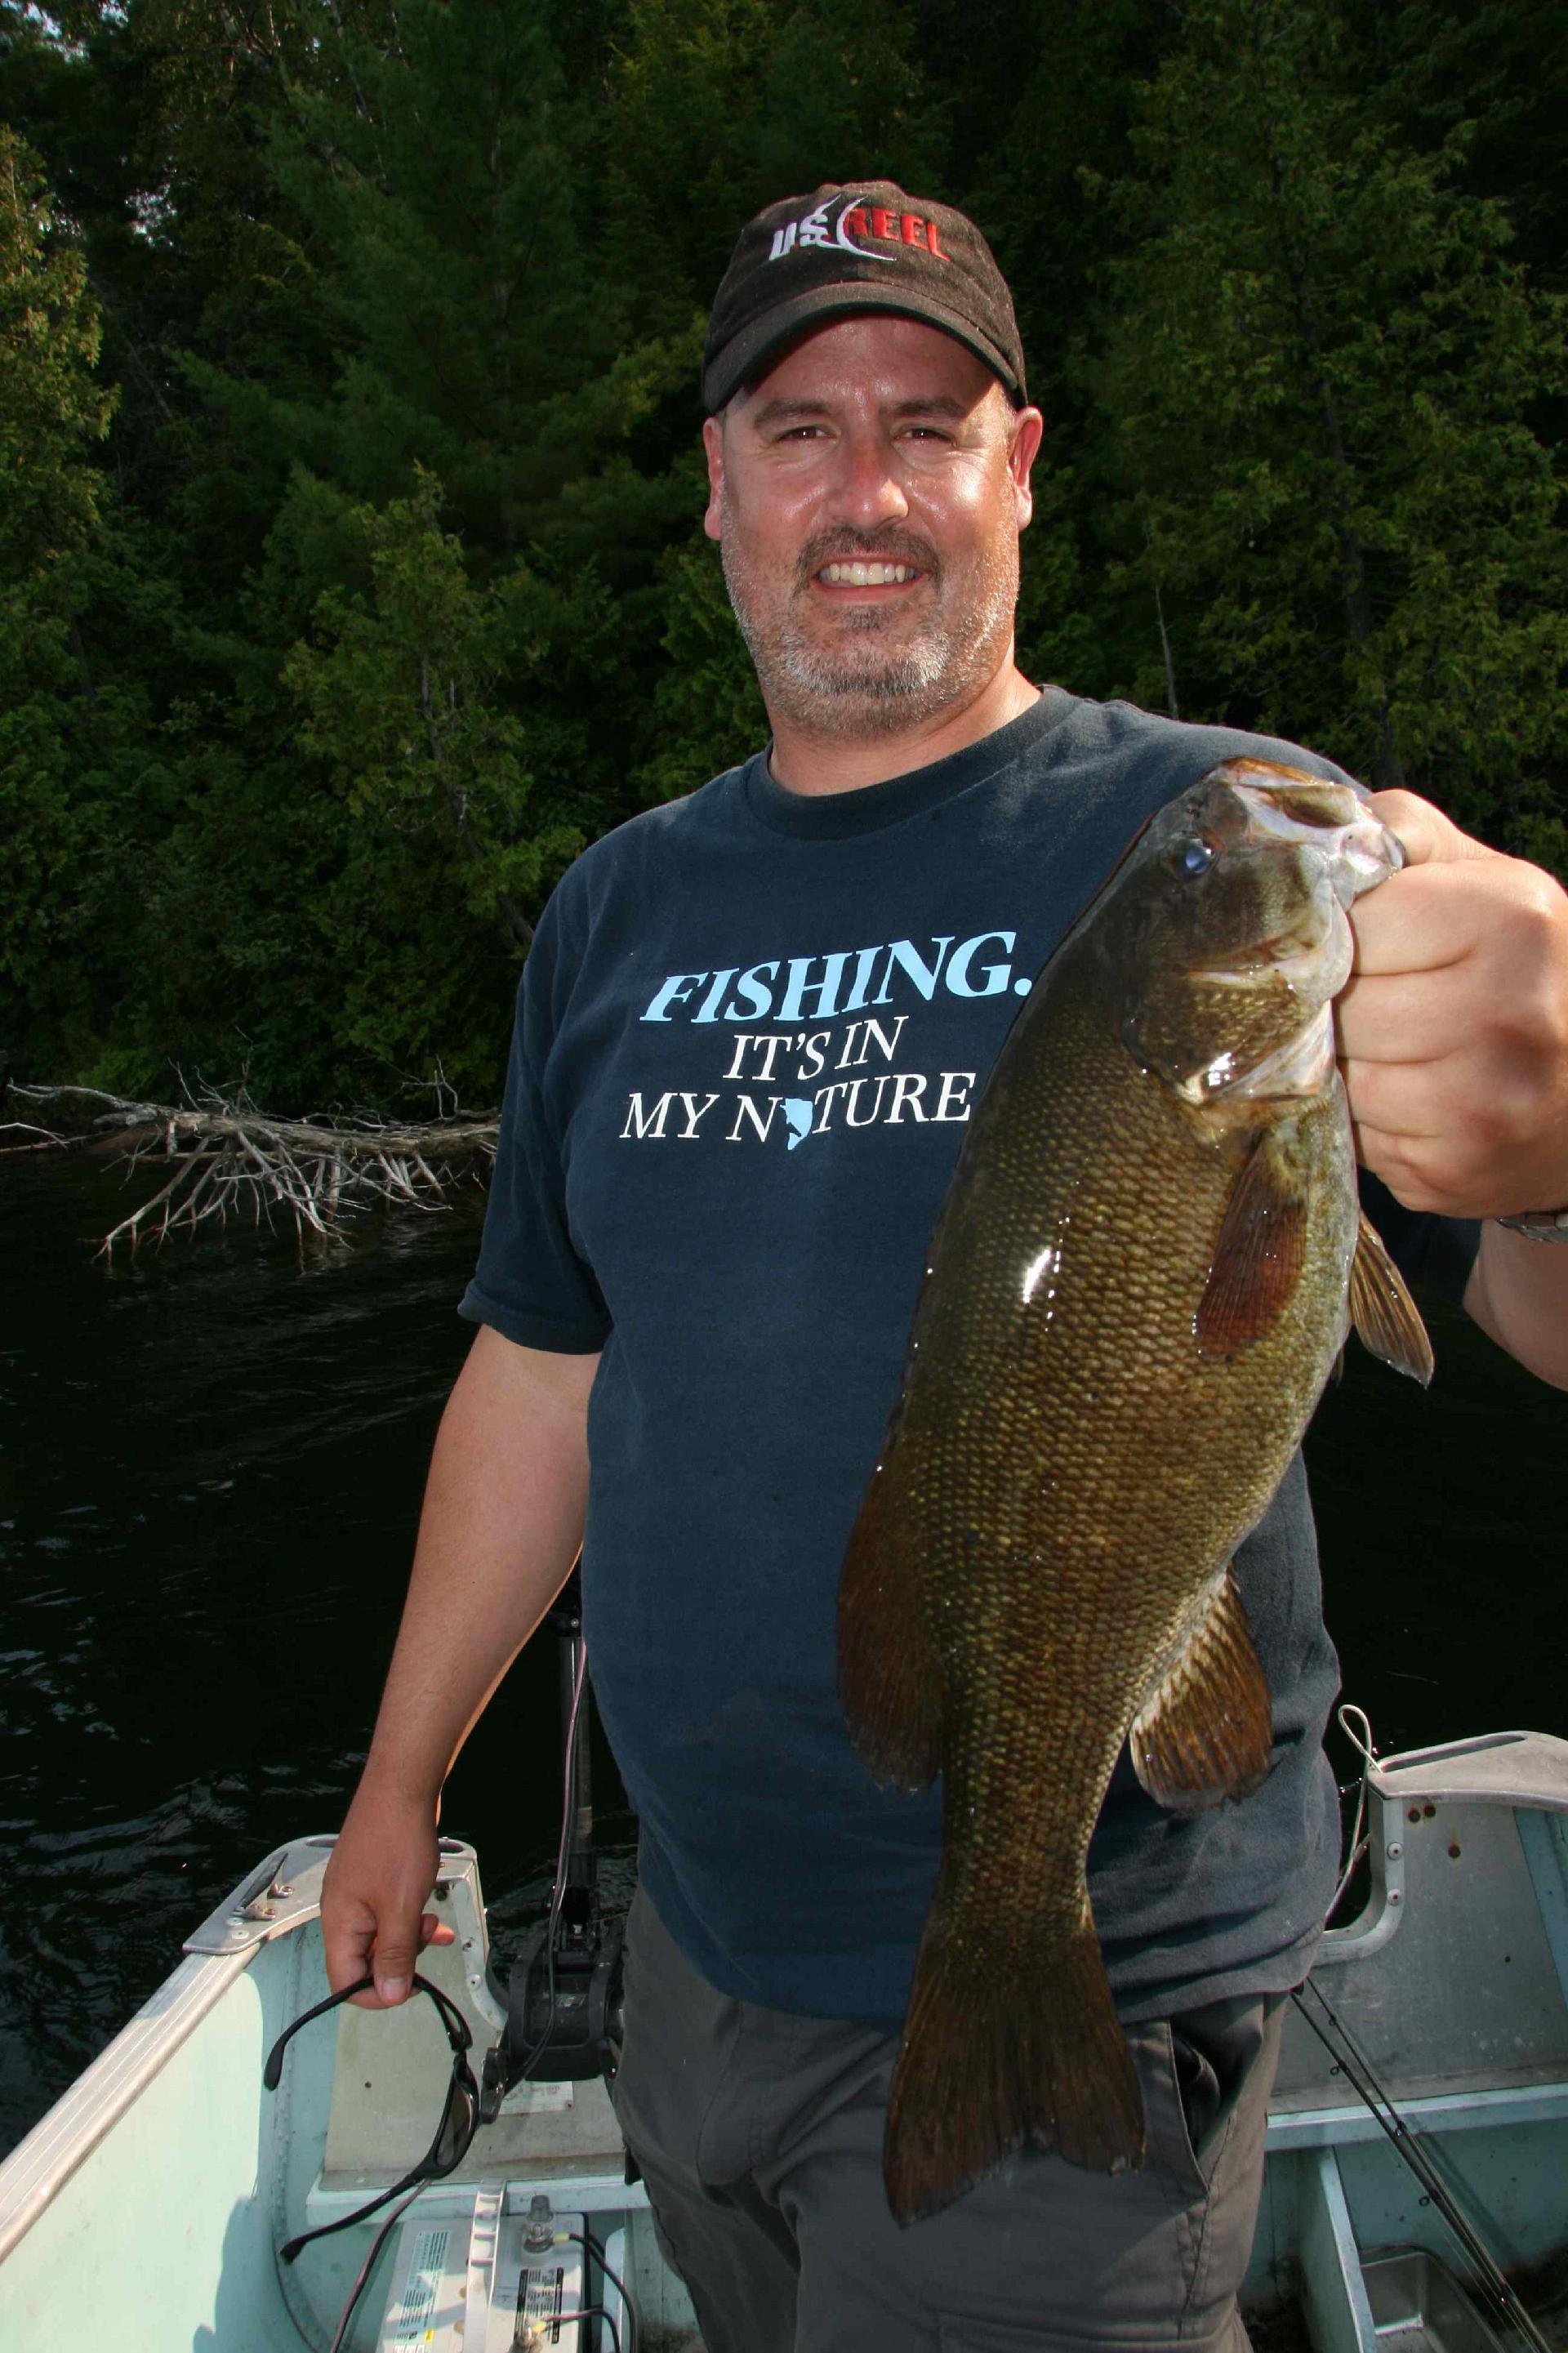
(1136, 1289)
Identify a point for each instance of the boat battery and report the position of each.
(484, 2279)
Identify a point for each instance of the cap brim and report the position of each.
(744, 353)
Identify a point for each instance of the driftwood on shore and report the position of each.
(230, 1158)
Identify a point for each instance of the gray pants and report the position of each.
(760, 2136)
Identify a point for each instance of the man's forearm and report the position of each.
(1518, 1294)
(500, 1528)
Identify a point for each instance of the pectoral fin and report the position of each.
(1382, 1311)
(1206, 1731)
(1257, 1258)
(890, 1676)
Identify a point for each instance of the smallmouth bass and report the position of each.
(1146, 1265)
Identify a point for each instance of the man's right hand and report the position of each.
(377, 1885)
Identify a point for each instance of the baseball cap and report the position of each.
(865, 245)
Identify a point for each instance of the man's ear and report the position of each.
(713, 443)
(1028, 427)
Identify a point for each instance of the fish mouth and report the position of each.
(1357, 848)
(1297, 961)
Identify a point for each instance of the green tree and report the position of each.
(401, 697)
(54, 412)
(1320, 368)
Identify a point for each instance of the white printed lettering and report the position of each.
(852, 1099)
(890, 1046)
(646, 1123)
(908, 1089)
(956, 1086)
(693, 1115)
(746, 1109)
(825, 1095)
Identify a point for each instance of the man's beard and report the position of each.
(861, 685)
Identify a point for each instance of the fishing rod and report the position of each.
(1354, 2065)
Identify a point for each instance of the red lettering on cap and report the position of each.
(882, 222)
(854, 222)
(931, 240)
(914, 228)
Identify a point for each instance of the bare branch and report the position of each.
(229, 1156)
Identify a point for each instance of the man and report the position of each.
(749, 1036)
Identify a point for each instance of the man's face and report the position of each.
(867, 494)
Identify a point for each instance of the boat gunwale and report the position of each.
(66, 2135)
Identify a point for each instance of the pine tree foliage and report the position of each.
(1319, 365)
(52, 409)
(400, 695)
(53, 414)
(352, 569)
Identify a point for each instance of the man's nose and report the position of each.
(868, 490)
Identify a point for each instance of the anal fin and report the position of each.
(890, 1676)
(1382, 1311)
(1206, 1733)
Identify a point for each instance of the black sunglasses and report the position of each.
(459, 2117)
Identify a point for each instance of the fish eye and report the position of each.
(1197, 856)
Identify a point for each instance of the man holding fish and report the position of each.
(984, 1822)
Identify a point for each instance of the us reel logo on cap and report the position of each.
(856, 221)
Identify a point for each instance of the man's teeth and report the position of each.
(868, 575)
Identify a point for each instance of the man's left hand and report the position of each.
(1454, 1027)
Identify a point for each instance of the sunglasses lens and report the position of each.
(458, 2123)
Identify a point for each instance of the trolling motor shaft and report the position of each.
(564, 1994)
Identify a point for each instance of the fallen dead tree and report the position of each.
(231, 1159)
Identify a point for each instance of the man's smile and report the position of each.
(866, 572)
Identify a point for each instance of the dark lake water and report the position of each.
(210, 1470)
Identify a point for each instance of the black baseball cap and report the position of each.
(863, 246)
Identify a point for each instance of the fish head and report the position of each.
(1229, 937)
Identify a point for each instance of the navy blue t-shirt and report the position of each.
(750, 1033)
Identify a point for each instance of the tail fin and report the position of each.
(992, 2059)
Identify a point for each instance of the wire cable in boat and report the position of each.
(1357, 1844)
(568, 1815)
(555, 2321)
(587, 2240)
(1356, 2068)
(366, 2268)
